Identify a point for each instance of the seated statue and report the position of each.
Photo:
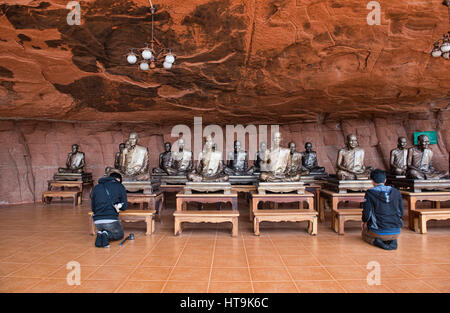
(238, 162)
(118, 156)
(399, 157)
(166, 161)
(309, 160)
(350, 161)
(295, 161)
(420, 161)
(182, 159)
(277, 164)
(210, 166)
(75, 162)
(134, 161)
(259, 164)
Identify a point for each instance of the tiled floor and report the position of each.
(37, 241)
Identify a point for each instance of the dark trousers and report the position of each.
(114, 229)
(369, 236)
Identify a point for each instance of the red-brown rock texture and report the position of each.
(31, 151)
(277, 61)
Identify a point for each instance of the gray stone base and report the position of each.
(420, 185)
(282, 187)
(84, 177)
(342, 186)
(165, 179)
(243, 180)
(147, 187)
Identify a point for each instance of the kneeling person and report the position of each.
(382, 213)
(108, 197)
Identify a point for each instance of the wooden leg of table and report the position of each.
(312, 226)
(416, 223)
(311, 204)
(235, 229)
(149, 220)
(411, 209)
(255, 204)
(437, 204)
(177, 227)
(153, 225)
(321, 209)
(256, 226)
(341, 222)
(91, 226)
(75, 200)
(423, 224)
(179, 204)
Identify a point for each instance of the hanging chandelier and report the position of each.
(442, 47)
(154, 53)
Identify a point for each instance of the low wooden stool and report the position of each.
(206, 217)
(130, 216)
(422, 216)
(339, 217)
(286, 216)
(48, 195)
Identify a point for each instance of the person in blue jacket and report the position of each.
(382, 213)
(108, 198)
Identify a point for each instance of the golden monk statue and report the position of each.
(75, 161)
(238, 162)
(260, 156)
(119, 156)
(210, 166)
(350, 161)
(134, 161)
(419, 161)
(277, 164)
(295, 161)
(399, 157)
(182, 159)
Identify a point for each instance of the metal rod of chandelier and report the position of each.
(150, 55)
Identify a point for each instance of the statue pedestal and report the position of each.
(282, 187)
(311, 178)
(342, 186)
(146, 186)
(207, 187)
(418, 185)
(165, 179)
(243, 180)
(83, 177)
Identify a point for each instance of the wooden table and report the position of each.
(315, 190)
(417, 218)
(291, 215)
(340, 216)
(75, 194)
(184, 215)
(154, 201)
(80, 185)
(171, 188)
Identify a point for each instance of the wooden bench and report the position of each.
(62, 184)
(206, 217)
(153, 201)
(130, 216)
(286, 216)
(422, 216)
(75, 194)
(339, 217)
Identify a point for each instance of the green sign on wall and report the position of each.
(431, 135)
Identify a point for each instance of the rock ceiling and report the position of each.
(246, 61)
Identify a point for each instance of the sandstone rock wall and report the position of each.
(31, 151)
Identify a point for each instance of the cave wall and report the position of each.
(31, 151)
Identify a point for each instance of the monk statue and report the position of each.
(75, 161)
(309, 160)
(182, 159)
(134, 162)
(118, 156)
(295, 161)
(399, 157)
(259, 164)
(238, 162)
(166, 161)
(419, 161)
(277, 162)
(210, 167)
(350, 161)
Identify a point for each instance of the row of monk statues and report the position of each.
(277, 164)
(415, 162)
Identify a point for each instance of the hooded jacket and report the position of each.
(102, 204)
(383, 210)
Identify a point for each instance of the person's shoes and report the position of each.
(105, 241)
(393, 245)
(100, 239)
(380, 243)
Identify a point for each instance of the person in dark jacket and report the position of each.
(382, 213)
(108, 197)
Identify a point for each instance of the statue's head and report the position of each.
(121, 146)
(127, 144)
(352, 141)
(277, 138)
(167, 146)
(74, 148)
(308, 147)
(133, 139)
(237, 145)
(423, 142)
(181, 144)
(401, 142)
(209, 143)
(292, 146)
